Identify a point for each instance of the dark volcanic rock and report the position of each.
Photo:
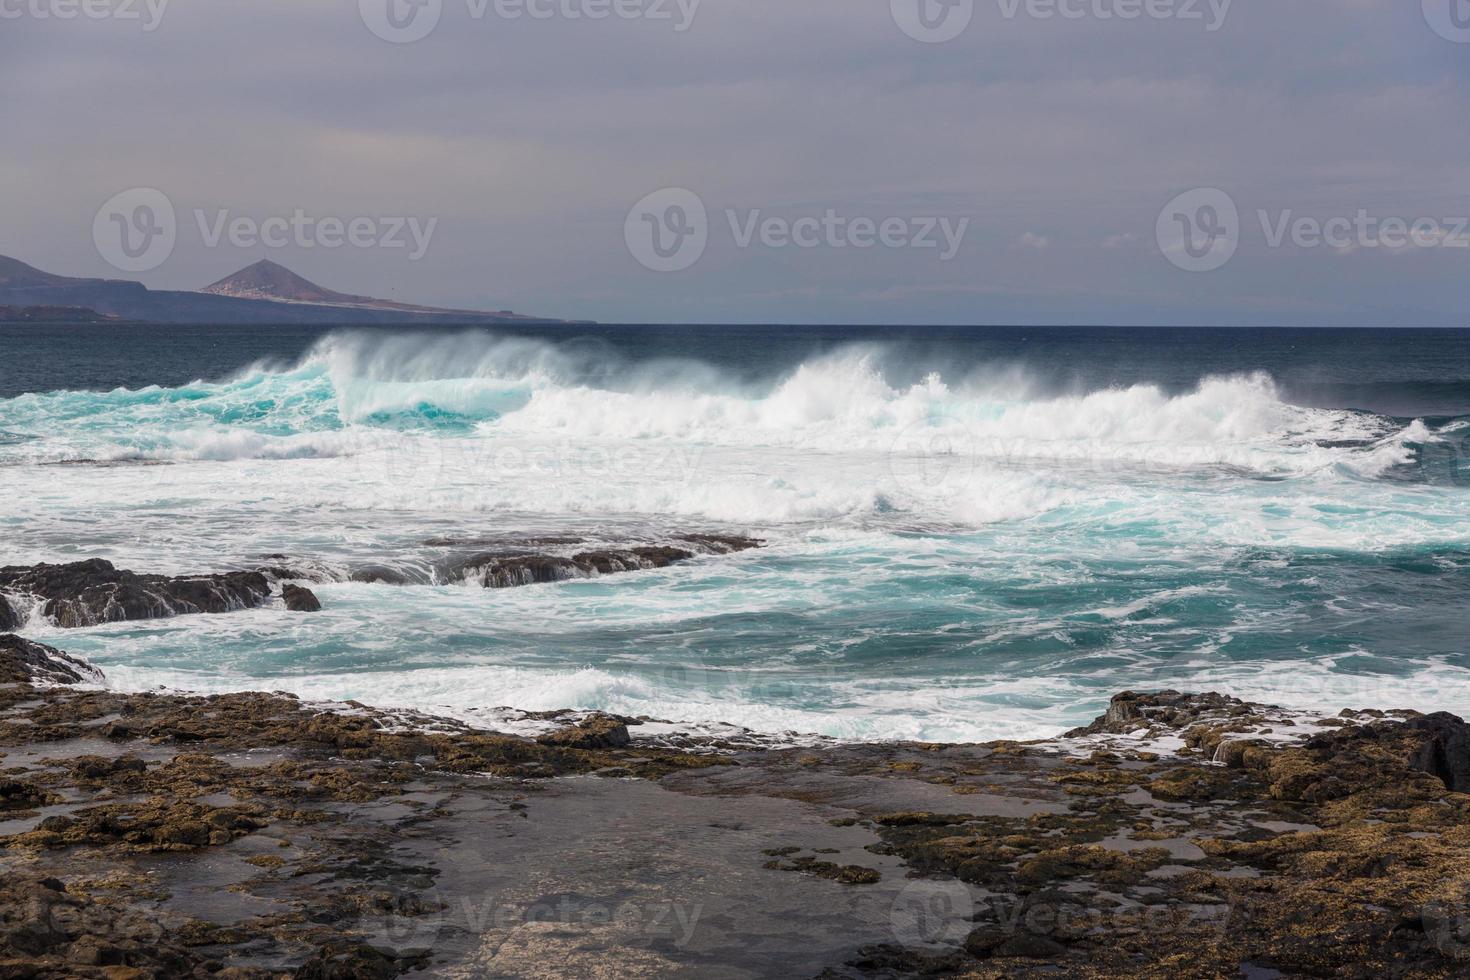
(22, 662)
(336, 851)
(596, 731)
(9, 618)
(721, 544)
(86, 593)
(1131, 711)
(345, 962)
(501, 570)
(1446, 750)
(300, 599)
(508, 571)
(378, 575)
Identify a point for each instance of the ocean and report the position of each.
(969, 533)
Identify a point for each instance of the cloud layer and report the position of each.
(1059, 138)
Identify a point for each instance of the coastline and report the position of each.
(256, 836)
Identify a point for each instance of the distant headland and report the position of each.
(264, 293)
(54, 314)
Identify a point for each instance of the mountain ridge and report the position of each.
(264, 293)
(271, 281)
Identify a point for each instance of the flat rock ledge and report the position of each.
(253, 835)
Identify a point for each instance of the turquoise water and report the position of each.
(969, 534)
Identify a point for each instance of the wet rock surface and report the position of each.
(1445, 750)
(252, 835)
(298, 598)
(503, 569)
(87, 593)
(597, 731)
(508, 562)
(23, 662)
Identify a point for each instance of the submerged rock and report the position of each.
(300, 599)
(502, 570)
(378, 575)
(23, 662)
(86, 593)
(720, 544)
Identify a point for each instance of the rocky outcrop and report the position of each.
(596, 731)
(300, 599)
(90, 592)
(1318, 847)
(504, 569)
(1169, 710)
(1444, 751)
(24, 662)
(378, 575)
(86, 593)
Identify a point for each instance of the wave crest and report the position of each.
(848, 401)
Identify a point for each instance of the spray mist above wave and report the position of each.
(854, 399)
(843, 400)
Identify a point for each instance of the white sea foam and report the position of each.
(963, 554)
(951, 710)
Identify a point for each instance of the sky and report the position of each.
(787, 161)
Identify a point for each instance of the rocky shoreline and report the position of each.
(87, 593)
(253, 835)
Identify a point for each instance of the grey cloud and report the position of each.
(530, 140)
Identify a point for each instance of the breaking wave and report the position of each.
(351, 389)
